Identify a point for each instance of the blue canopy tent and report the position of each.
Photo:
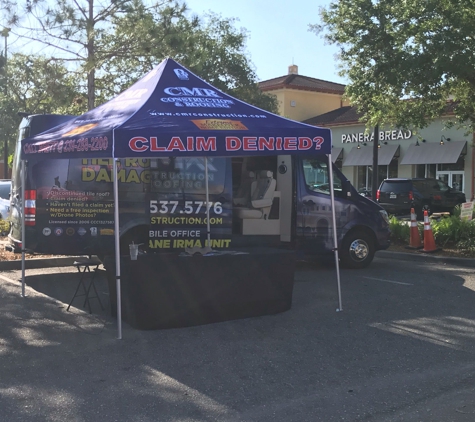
(173, 112)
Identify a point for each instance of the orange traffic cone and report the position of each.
(429, 242)
(415, 237)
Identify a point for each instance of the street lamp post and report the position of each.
(374, 180)
(4, 34)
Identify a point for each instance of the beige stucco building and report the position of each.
(301, 97)
(434, 151)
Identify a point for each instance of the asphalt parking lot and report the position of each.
(401, 350)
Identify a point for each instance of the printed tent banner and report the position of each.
(173, 112)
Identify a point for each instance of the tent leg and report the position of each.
(117, 250)
(335, 237)
(208, 228)
(23, 235)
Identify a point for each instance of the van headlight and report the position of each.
(385, 216)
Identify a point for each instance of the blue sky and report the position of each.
(278, 35)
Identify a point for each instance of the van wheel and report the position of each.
(357, 250)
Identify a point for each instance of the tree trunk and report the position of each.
(91, 59)
(91, 98)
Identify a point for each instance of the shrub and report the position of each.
(400, 230)
(456, 211)
(449, 231)
(454, 231)
(4, 227)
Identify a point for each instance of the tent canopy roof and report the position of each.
(173, 112)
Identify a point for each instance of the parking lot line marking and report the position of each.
(8, 279)
(389, 281)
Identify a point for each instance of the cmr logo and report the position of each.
(181, 74)
(182, 91)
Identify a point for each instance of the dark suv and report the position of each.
(398, 196)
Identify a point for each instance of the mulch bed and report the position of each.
(448, 250)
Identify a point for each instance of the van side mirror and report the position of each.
(345, 191)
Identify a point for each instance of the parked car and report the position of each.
(5, 187)
(365, 192)
(398, 196)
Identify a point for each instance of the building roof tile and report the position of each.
(348, 115)
(295, 81)
(343, 116)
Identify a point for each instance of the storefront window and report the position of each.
(382, 174)
(426, 170)
(392, 170)
(420, 170)
(459, 165)
(365, 174)
(362, 177)
(431, 170)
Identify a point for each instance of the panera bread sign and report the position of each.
(388, 135)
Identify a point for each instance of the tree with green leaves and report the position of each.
(115, 42)
(36, 85)
(212, 47)
(405, 60)
(69, 28)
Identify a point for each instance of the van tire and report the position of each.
(357, 250)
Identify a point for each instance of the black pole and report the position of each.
(374, 179)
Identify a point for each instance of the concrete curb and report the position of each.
(38, 263)
(427, 257)
(67, 261)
